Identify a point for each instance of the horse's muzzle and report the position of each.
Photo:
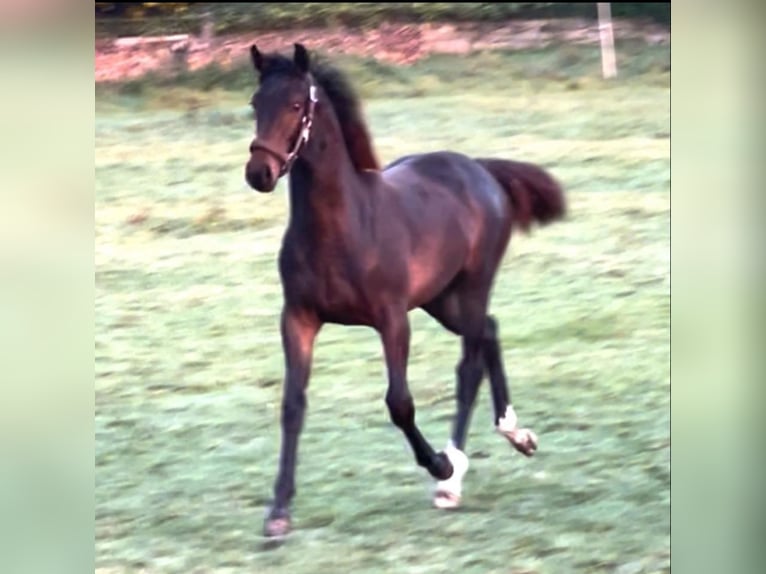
(260, 176)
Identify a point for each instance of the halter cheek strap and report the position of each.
(304, 132)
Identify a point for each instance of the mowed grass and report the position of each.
(189, 365)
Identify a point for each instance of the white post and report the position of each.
(208, 30)
(608, 61)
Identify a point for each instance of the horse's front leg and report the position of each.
(395, 334)
(299, 330)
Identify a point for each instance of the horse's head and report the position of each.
(284, 111)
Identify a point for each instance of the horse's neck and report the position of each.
(324, 185)
(318, 202)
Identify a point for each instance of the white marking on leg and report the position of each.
(449, 492)
(508, 422)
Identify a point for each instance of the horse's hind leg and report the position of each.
(466, 316)
(524, 440)
(463, 316)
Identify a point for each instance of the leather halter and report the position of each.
(303, 135)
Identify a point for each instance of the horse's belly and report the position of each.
(339, 301)
(427, 279)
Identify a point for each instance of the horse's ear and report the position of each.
(256, 57)
(301, 58)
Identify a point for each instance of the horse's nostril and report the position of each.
(266, 174)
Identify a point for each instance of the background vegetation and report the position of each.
(136, 18)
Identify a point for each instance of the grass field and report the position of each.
(189, 364)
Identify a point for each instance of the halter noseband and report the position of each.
(303, 135)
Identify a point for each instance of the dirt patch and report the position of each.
(127, 58)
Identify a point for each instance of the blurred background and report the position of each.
(189, 364)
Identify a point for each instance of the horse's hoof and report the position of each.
(445, 500)
(277, 525)
(523, 440)
(442, 468)
(448, 492)
(276, 528)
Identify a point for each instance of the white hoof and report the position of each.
(444, 500)
(449, 492)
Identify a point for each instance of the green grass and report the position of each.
(189, 365)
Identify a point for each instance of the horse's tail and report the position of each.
(535, 195)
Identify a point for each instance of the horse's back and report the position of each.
(448, 172)
(432, 162)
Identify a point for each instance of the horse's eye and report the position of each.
(296, 106)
